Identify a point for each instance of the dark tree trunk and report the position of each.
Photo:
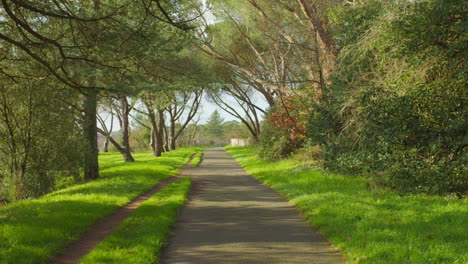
(91, 164)
(173, 144)
(90, 130)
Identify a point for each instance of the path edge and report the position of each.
(312, 226)
(76, 250)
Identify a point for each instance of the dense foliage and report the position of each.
(396, 108)
(40, 149)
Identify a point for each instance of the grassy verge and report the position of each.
(369, 226)
(140, 237)
(32, 231)
(197, 159)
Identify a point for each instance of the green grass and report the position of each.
(32, 231)
(197, 159)
(140, 237)
(369, 226)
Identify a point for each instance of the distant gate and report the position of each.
(240, 142)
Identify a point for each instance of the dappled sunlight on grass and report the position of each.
(370, 226)
(32, 231)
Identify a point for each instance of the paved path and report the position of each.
(232, 218)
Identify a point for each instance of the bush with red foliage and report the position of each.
(289, 116)
(284, 129)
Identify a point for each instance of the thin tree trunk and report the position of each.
(152, 140)
(154, 133)
(160, 134)
(106, 145)
(91, 164)
(125, 131)
(172, 135)
(166, 140)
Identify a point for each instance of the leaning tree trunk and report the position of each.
(91, 164)
(116, 145)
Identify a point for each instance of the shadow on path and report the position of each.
(232, 218)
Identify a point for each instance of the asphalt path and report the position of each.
(231, 218)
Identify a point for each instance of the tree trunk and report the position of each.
(154, 133)
(160, 134)
(91, 164)
(119, 148)
(125, 130)
(172, 136)
(166, 140)
(106, 145)
(152, 140)
(173, 144)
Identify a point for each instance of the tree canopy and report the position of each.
(372, 87)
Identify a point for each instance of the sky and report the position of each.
(209, 108)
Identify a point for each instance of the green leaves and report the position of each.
(397, 100)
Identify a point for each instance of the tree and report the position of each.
(180, 103)
(155, 104)
(85, 45)
(214, 125)
(120, 107)
(278, 49)
(249, 114)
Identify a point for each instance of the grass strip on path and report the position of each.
(139, 238)
(197, 159)
(369, 226)
(32, 231)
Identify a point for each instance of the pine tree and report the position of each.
(214, 126)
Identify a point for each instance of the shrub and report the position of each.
(283, 129)
(396, 108)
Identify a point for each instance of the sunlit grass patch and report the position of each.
(197, 159)
(32, 231)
